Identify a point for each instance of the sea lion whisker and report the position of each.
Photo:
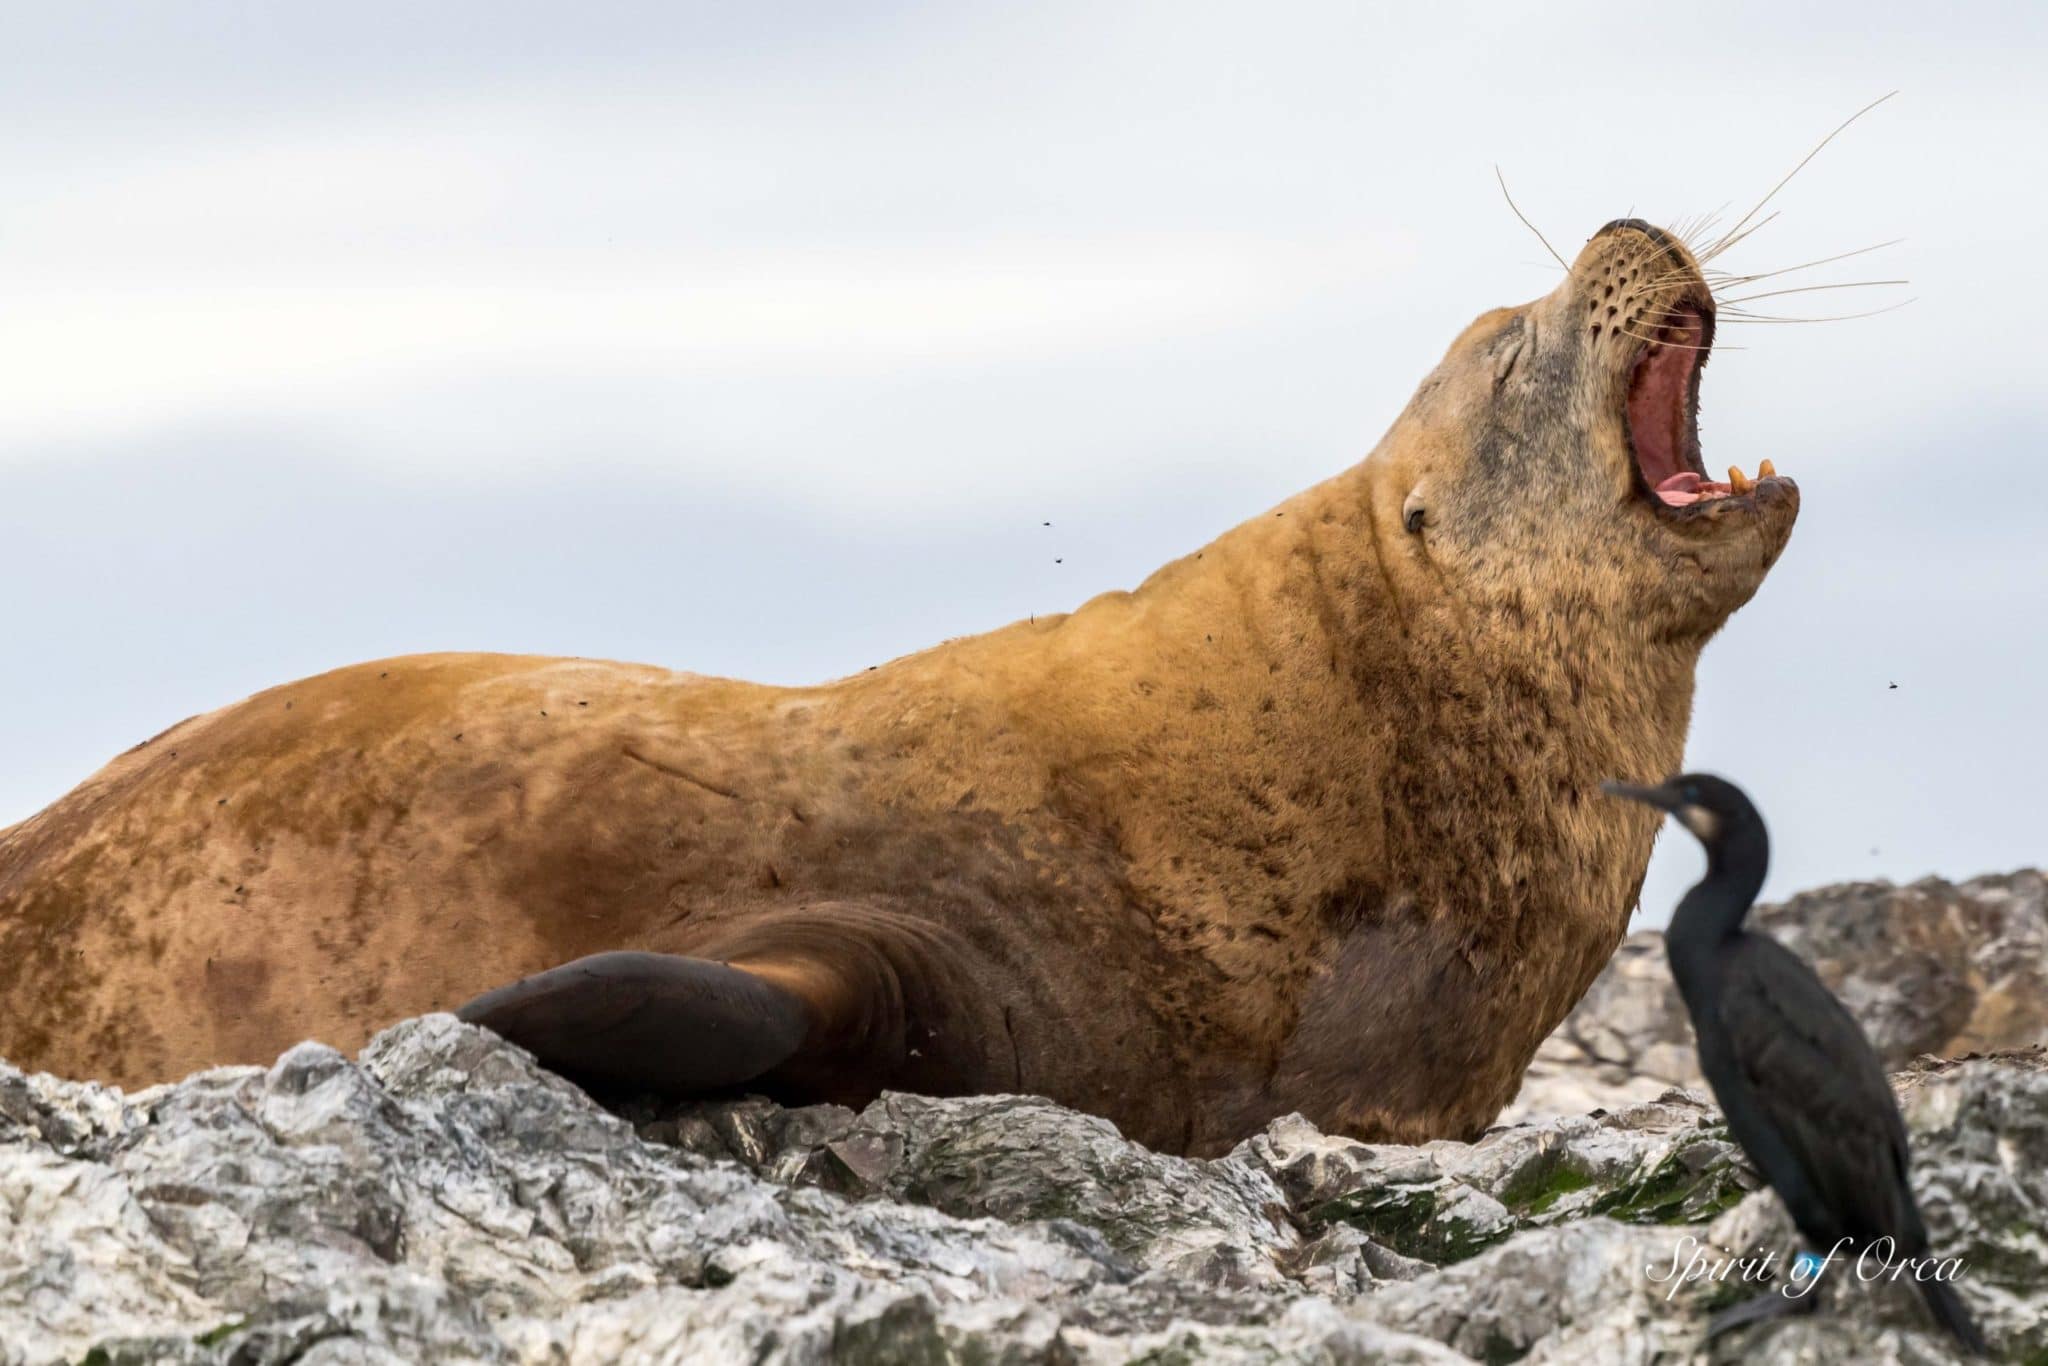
(1525, 220)
(1815, 289)
(1737, 316)
(1733, 279)
(1670, 313)
(1678, 320)
(1676, 345)
(1676, 277)
(1684, 273)
(1695, 227)
(1725, 241)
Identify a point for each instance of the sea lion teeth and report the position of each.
(1738, 481)
(1767, 470)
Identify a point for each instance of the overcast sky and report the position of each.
(761, 339)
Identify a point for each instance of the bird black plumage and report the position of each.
(1801, 1087)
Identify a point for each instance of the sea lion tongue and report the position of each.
(1680, 489)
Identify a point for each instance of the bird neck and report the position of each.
(1714, 909)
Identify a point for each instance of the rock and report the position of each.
(1443, 1202)
(1935, 967)
(445, 1199)
(1021, 1158)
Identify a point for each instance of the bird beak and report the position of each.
(1663, 798)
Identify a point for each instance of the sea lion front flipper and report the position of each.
(648, 1021)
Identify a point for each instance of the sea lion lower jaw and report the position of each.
(1307, 821)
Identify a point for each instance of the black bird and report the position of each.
(1799, 1083)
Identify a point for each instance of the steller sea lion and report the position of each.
(1307, 821)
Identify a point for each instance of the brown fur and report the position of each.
(1307, 822)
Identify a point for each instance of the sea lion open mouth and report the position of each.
(1661, 414)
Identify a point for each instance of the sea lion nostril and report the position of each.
(1649, 230)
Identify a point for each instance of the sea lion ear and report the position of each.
(1414, 514)
(648, 1021)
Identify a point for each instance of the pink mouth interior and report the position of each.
(1682, 489)
(1660, 417)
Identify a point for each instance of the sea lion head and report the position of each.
(1555, 450)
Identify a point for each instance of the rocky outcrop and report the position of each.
(1933, 968)
(444, 1199)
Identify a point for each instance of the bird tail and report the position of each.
(1947, 1308)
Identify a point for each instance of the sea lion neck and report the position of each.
(1284, 685)
(1294, 738)
(1332, 584)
